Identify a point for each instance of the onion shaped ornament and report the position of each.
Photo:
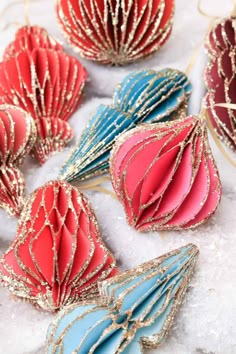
(165, 175)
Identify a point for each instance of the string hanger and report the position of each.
(233, 13)
(5, 11)
(26, 4)
(96, 186)
(212, 19)
(26, 11)
(204, 13)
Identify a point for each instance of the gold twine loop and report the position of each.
(26, 10)
(194, 56)
(233, 13)
(96, 185)
(193, 60)
(11, 4)
(204, 13)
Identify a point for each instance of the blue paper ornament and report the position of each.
(143, 97)
(135, 310)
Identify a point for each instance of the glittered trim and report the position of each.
(56, 213)
(117, 32)
(168, 292)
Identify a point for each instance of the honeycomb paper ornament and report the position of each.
(58, 256)
(47, 84)
(134, 312)
(221, 36)
(30, 37)
(220, 80)
(17, 137)
(116, 32)
(165, 175)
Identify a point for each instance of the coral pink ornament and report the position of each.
(116, 32)
(165, 175)
(47, 84)
(58, 256)
(17, 137)
(30, 37)
(53, 135)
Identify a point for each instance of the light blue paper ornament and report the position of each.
(143, 97)
(135, 310)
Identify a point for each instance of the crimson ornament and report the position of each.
(221, 36)
(220, 80)
(116, 32)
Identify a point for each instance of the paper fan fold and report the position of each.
(165, 175)
(58, 256)
(17, 137)
(31, 37)
(116, 32)
(47, 84)
(135, 309)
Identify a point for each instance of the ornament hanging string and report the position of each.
(213, 17)
(193, 59)
(194, 56)
(205, 14)
(26, 12)
(96, 185)
(5, 10)
(233, 13)
(26, 8)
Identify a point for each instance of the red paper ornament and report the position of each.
(17, 137)
(222, 36)
(116, 32)
(47, 84)
(165, 175)
(31, 37)
(12, 189)
(53, 135)
(58, 256)
(220, 80)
